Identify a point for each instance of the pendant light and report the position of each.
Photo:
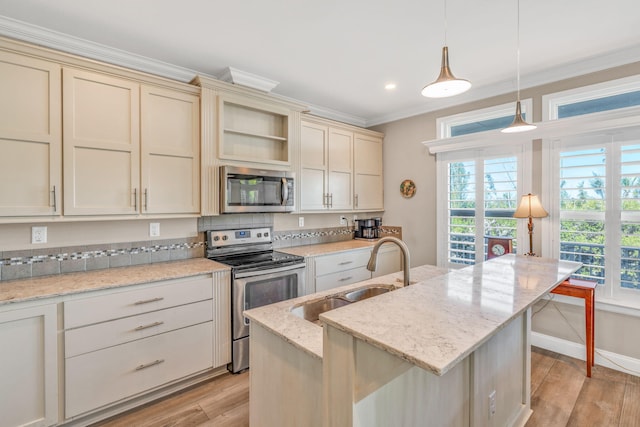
(446, 84)
(518, 124)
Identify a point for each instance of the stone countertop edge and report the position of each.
(307, 336)
(328, 248)
(436, 323)
(22, 290)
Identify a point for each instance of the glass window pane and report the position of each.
(583, 180)
(630, 178)
(462, 204)
(482, 125)
(630, 256)
(606, 103)
(500, 198)
(583, 241)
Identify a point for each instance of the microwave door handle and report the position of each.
(284, 192)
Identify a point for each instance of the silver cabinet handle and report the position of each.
(147, 301)
(135, 199)
(150, 325)
(344, 279)
(356, 196)
(55, 201)
(325, 200)
(345, 263)
(148, 365)
(330, 200)
(146, 199)
(284, 192)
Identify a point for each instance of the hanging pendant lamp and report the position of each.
(518, 124)
(446, 84)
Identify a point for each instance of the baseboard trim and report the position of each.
(604, 358)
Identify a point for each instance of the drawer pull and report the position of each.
(345, 263)
(344, 279)
(150, 325)
(148, 365)
(147, 301)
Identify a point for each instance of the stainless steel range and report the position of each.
(259, 276)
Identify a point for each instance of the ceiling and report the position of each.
(337, 55)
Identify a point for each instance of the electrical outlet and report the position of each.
(492, 404)
(38, 235)
(154, 229)
(343, 220)
(300, 221)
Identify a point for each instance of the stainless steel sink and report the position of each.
(311, 310)
(368, 292)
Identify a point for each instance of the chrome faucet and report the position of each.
(371, 266)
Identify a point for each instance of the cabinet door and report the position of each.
(30, 136)
(170, 142)
(101, 144)
(368, 173)
(313, 166)
(340, 169)
(28, 367)
(389, 261)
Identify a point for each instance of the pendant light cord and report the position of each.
(518, 55)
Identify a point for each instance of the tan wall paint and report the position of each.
(404, 157)
(59, 234)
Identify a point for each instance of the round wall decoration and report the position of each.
(408, 188)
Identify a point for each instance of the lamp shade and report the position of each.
(446, 84)
(530, 207)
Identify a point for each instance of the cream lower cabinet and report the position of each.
(29, 367)
(340, 167)
(30, 137)
(128, 148)
(124, 344)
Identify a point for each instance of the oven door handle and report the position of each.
(241, 275)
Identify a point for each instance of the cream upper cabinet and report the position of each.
(101, 144)
(326, 168)
(367, 172)
(29, 367)
(314, 157)
(340, 168)
(170, 142)
(30, 137)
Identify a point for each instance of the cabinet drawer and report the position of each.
(107, 334)
(128, 303)
(341, 278)
(102, 377)
(342, 261)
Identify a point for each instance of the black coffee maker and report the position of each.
(368, 228)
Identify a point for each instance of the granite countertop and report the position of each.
(436, 323)
(306, 335)
(328, 248)
(13, 291)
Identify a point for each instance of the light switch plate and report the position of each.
(38, 235)
(154, 229)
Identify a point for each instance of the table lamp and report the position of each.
(530, 207)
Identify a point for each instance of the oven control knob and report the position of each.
(216, 238)
(266, 234)
(259, 235)
(224, 237)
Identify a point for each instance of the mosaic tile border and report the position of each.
(292, 238)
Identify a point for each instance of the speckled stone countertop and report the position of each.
(14, 291)
(436, 323)
(306, 335)
(328, 248)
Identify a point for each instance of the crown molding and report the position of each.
(244, 78)
(63, 42)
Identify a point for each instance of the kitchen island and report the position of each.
(452, 349)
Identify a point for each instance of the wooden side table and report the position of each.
(584, 289)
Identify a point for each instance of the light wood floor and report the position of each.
(562, 396)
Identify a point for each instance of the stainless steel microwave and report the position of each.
(247, 190)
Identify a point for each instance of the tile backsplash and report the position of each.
(42, 262)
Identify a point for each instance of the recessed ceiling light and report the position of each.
(390, 86)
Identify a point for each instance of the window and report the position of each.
(606, 96)
(497, 117)
(480, 191)
(597, 195)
